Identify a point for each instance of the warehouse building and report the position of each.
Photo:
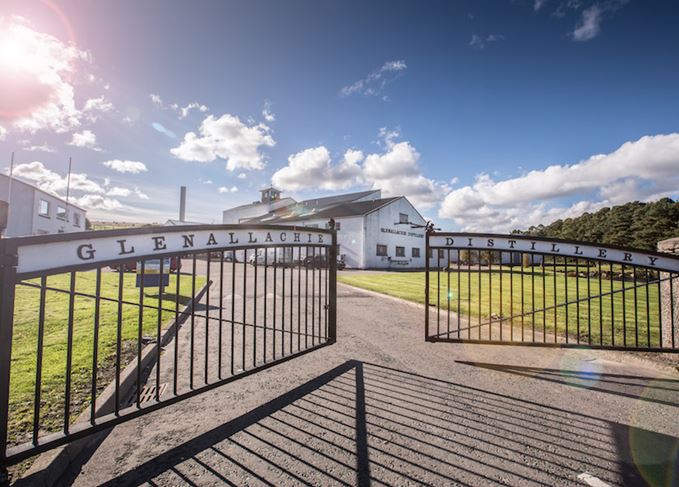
(32, 211)
(372, 232)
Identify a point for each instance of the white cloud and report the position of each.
(395, 171)
(86, 139)
(267, 113)
(225, 189)
(98, 202)
(312, 168)
(118, 191)
(35, 72)
(95, 106)
(40, 148)
(375, 82)
(185, 110)
(226, 138)
(640, 170)
(478, 42)
(589, 25)
(54, 183)
(242, 175)
(538, 4)
(3, 132)
(133, 167)
(156, 99)
(141, 195)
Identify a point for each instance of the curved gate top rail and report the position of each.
(58, 252)
(555, 247)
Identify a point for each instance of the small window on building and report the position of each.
(416, 252)
(400, 251)
(381, 250)
(62, 213)
(44, 209)
(76, 219)
(338, 225)
(430, 254)
(441, 254)
(402, 218)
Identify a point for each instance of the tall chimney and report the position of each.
(182, 204)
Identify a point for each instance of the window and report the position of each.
(416, 252)
(338, 225)
(381, 250)
(441, 254)
(44, 209)
(400, 251)
(402, 218)
(62, 213)
(431, 253)
(76, 219)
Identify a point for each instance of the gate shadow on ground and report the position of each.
(658, 390)
(361, 423)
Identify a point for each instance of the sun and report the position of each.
(18, 51)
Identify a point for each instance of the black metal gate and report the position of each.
(97, 328)
(517, 290)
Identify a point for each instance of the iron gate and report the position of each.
(159, 314)
(518, 290)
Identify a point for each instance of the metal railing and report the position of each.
(507, 289)
(97, 328)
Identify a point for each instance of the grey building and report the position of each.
(33, 211)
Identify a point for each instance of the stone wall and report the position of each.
(669, 297)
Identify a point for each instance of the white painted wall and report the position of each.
(241, 213)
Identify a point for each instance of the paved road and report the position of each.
(382, 406)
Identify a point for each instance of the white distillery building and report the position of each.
(372, 232)
(33, 211)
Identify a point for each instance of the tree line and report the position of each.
(638, 225)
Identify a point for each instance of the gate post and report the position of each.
(669, 298)
(332, 283)
(8, 262)
(428, 230)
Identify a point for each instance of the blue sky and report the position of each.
(488, 115)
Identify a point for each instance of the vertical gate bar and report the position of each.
(299, 297)
(140, 327)
(320, 292)
(648, 312)
(532, 296)
(577, 299)
(480, 291)
(7, 290)
(523, 311)
(193, 318)
(69, 354)
(283, 304)
(459, 290)
(660, 311)
(119, 332)
(589, 305)
(612, 306)
(233, 310)
(332, 254)
(292, 296)
(38, 366)
(469, 294)
(275, 267)
(207, 317)
(438, 292)
(502, 313)
(244, 297)
(254, 311)
(601, 307)
(159, 326)
(511, 296)
(332, 278)
(672, 308)
(175, 367)
(448, 293)
(636, 309)
(624, 308)
(565, 287)
(266, 292)
(313, 295)
(556, 317)
(490, 295)
(221, 314)
(543, 265)
(95, 344)
(306, 296)
(426, 285)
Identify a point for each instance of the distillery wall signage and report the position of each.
(565, 249)
(402, 232)
(65, 253)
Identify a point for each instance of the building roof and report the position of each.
(327, 201)
(259, 203)
(15, 179)
(301, 212)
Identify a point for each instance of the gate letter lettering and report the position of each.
(159, 243)
(85, 252)
(450, 241)
(123, 250)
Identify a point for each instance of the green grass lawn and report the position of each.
(475, 304)
(25, 337)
